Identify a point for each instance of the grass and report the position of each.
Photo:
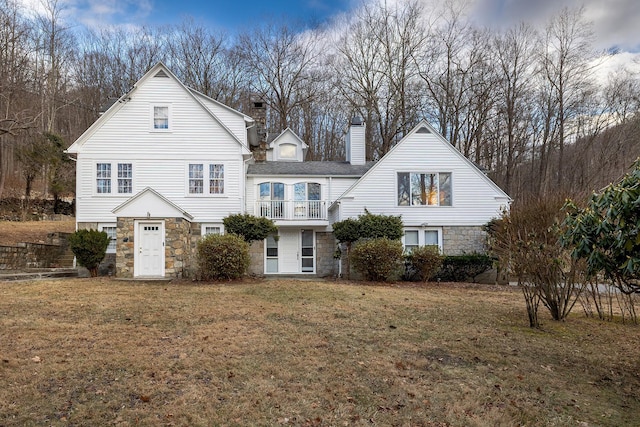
(13, 232)
(107, 352)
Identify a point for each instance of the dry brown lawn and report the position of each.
(106, 352)
(12, 232)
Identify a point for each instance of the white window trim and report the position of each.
(423, 206)
(152, 117)
(421, 239)
(205, 177)
(204, 225)
(114, 178)
(101, 226)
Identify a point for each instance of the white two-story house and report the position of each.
(165, 164)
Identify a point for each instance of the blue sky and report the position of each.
(228, 15)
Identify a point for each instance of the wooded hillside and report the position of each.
(523, 103)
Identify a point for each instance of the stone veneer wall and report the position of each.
(256, 254)
(326, 264)
(464, 240)
(177, 250)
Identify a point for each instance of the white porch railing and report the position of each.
(298, 210)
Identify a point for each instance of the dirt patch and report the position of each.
(13, 232)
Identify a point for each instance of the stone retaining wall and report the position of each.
(34, 255)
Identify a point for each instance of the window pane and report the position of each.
(125, 175)
(216, 179)
(103, 178)
(307, 238)
(161, 117)
(272, 265)
(196, 181)
(432, 194)
(314, 191)
(418, 189)
(278, 191)
(300, 191)
(431, 237)
(403, 189)
(111, 232)
(265, 191)
(211, 230)
(411, 237)
(445, 189)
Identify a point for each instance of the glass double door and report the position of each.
(293, 252)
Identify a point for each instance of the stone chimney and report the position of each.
(356, 147)
(259, 114)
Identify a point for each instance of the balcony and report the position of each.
(299, 210)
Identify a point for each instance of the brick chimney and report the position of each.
(356, 147)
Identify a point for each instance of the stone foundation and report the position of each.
(326, 264)
(463, 240)
(256, 255)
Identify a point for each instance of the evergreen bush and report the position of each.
(377, 259)
(222, 257)
(423, 262)
(89, 247)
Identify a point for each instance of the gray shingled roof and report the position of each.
(309, 168)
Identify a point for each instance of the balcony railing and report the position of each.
(298, 210)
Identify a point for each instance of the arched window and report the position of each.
(287, 151)
(271, 199)
(307, 200)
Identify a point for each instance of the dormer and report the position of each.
(287, 147)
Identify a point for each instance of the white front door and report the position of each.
(288, 251)
(149, 260)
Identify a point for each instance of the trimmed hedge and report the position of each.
(222, 257)
(423, 262)
(89, 247)
(377, 259)
(463, 268)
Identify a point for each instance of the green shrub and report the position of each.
(89, 247)
(464, 268)
(377, 259)
(249, 227)
(423, 262)
(222, 257)
(374, 226)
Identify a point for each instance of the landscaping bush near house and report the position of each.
(422, 263)
(222, 257)
(89, 247)
(463, 268)
(377, 259)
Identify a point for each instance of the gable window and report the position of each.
(196, 178)
(120, 183)
(426, 189)
(160, 117)
(287, 151)
(416, 237)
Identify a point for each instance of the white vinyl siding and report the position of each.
(159, 159)
(475, 199)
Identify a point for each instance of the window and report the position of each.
(429, 189)
(125, 178)
(411, 240)
(110, 229)
(196, 178)
(271, 254)
(306, 196)
(216, 179)
(160, 117)
(287, 151)
(103, 175)
(422, 237)
(105, 178)
(271, 199)
(212, 229)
